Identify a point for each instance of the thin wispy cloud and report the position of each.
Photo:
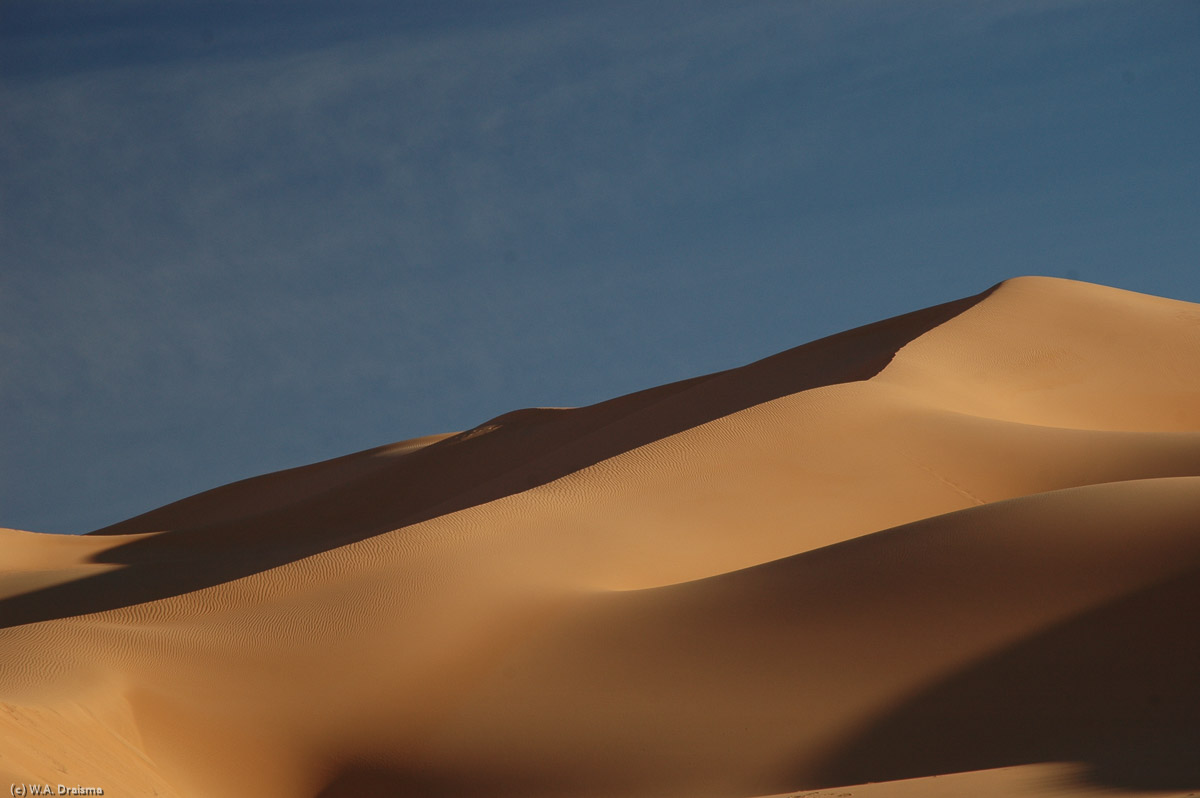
(242, 236)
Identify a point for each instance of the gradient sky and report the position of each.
(241, 236)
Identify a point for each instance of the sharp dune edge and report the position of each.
(951, 553)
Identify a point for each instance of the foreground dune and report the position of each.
(951, 553)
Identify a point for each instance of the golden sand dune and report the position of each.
(951, 553)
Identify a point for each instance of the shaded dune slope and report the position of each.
(959, 540)
(282, 517)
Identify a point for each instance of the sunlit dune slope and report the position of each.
(958, 547)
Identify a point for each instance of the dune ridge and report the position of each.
(957, 547)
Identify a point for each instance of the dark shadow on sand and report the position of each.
(1117, 689)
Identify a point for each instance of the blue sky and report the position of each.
(241, 236)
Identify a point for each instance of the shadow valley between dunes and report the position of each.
(1116, 690)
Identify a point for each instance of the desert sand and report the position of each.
(953, 553)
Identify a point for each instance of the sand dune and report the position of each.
(950, 553)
